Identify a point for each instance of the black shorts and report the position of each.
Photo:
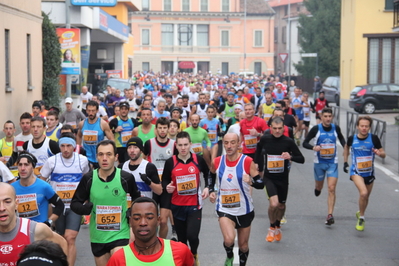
(99, 249)
(367, 180)
(306, 123)
(163, 200)
(68, 220)
(241, 221)
(276, 187)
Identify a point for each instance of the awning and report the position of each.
(186, 64)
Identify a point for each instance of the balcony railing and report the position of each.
(396, 15)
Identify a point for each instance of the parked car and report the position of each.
(120, 84)
(331, 90)
(368, 98)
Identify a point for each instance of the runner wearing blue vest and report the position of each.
(92, 131)
(325, 160)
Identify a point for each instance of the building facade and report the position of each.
(369, 50)
(204, 35)
(21, 53)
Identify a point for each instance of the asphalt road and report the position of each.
(306, 240)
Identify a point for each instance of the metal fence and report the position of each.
(336, 111)
(378, 127)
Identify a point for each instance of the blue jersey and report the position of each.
(92, 134)
(297, 106)
(212, 127)
(123, 136)
(362, 156)
(327, 141)
(34, 200)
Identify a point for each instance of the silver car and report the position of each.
(331, 88)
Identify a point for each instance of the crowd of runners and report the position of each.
(133, 164)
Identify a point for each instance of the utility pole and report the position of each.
(68, 26)
(289, 42)
(245, 35)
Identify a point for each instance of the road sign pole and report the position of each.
(317, 65)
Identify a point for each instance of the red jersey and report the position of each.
(181, 255)
(320, 105)
(249, 141)
(186, 177)
(9, 251)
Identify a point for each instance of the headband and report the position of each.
(239, 106)
(29, 157)
(67, 140)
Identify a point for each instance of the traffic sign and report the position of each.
(93, 2)
(283, 57)
(309, 55)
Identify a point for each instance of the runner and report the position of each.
(297, 105)
(34, 195)
(53, 130)
(174, 128)
(306, 114)
(146, 130)
(234, 201)
(17, 232)
(325, 157)
(198, 136)
(226, 110)
(65, 170)
(181, 179)
(25, 135)
(122, 128)
(318, 105)
(92, 131)
(147, 248)
(279, 151)
(252, 128)
(364, 146)
(71, 116)
(85, 96)
(7, 147)
(102, 193)
(201, 107)
(213, 127)
(266, 110)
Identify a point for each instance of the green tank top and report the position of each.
(108, 220)
(149, 135)
(165, 259)
(229, 111)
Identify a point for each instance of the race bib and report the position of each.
(212, 135)
(327, 151)
(197, 147)
(108, 218)
(84, 101)
(125, 135)
(128, 200)
(160, 172)
(73, 124)
(364, 164)
(275, 163)
(90, 137)
(267, 117)
(296, 105)
(27, 206)
(186, 185)
(230, 198)
(66, 192)
(250, 141)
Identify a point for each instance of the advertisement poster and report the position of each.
(70, 48)
(85, 54)
(114, 74)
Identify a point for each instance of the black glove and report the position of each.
(346, 165)
(88, 206)
(145, 179)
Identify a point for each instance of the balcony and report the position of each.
(396, 16)
(173, 49)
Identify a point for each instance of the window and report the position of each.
(380, 88)
(225, 38)
(204, 6)
(394, 88)
(185, 5)
(145, 37)
(203, 35)
(146, 66)
(225, 68)
(383, 60)
(7, 56)
(225, 5)
(146, 5)
(284, 35)
(275, 34)
(167, 34)
(388, 4)
(258, 40)
(167, 5)
(258, 68)
(28, 59)
(185, 34)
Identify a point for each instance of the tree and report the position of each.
(51, 50)
(320, 33)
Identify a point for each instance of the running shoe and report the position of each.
(317, 192)
(330, 220)
(174, 236)
(360, 224)
(278, 234)
(196, 260)
(270, 235)
(229, 261)
(357, 214)
(284, 220)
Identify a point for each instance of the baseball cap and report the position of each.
(136, 141)
(168, 95)
(69, 100)
(124, 104)
(176, 109)
(36, 104)
(231, 93)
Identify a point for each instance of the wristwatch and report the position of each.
(49, 222)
